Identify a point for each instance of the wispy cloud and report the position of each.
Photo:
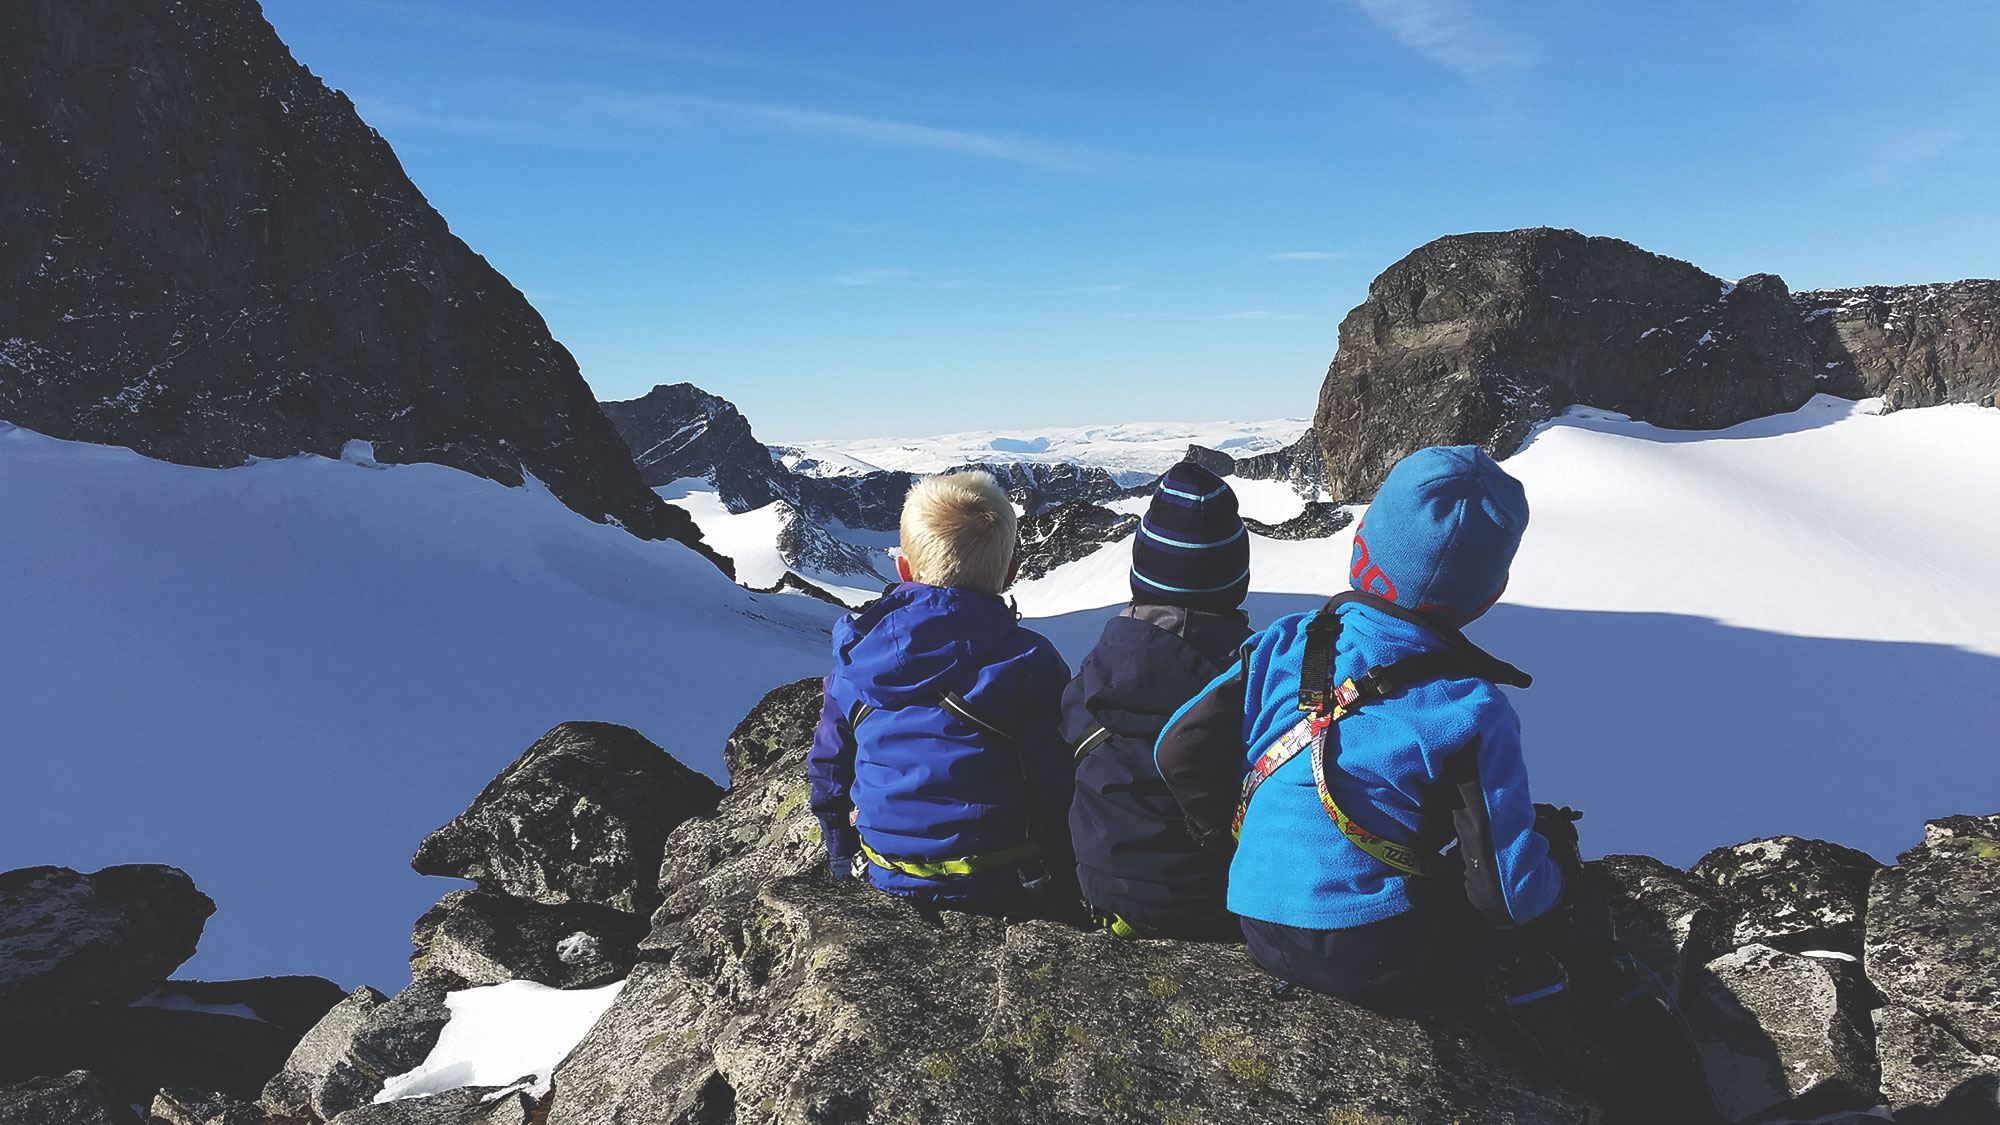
(1450, 33)
(899, 276)
(1261, 314)
(567, 109)
(1306, 256)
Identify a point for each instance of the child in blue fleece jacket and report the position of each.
(937, 766)
(1432, 759)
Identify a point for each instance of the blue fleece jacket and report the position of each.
(921, 783)
(1398, 767)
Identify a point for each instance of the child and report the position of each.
(937, 756)
(1348, 746)
(1142, 874)
(1335, 870)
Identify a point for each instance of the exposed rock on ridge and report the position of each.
(210, 257)
(1474, 338)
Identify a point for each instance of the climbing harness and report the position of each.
(1324, 704)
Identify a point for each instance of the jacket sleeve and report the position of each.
(830, 768)
(1200, 756)
(1046, 758)
(1509, 875)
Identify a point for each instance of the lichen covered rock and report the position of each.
(579, 818)
(69, 939)
(1933, 941)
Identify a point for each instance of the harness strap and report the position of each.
(946, 868)
(1325, 704)
(1095, 735)
(858, 712)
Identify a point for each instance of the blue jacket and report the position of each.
(1439, 759)
(922, 784)
(1134, 857)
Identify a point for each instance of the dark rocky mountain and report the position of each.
(1818, 982)
(210, 257)
(1915, 345)
(679, 430)
(1299, 464)
(1474, 338)
(1319, 520)
(1068, 532)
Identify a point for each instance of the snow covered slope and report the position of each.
(1790, 626)
(280, 677)
(1134, 452)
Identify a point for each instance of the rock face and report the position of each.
(210, 257)
(580, 818)
(1473, 338)
(76, 1098)
(1933, 928)
(487, 938)
(678, 430)
(1068, 532)
(1792, 894)
(291, 1003)
(772, 994)
(1915, 345)
(468, 1105)
(805, 545)
(1319, 520)
(137, 1051)
(1778, 1029)
(366, 1039)
(68, 939)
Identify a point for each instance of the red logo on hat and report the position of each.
(1366, 576)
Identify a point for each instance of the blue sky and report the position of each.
(897, 218)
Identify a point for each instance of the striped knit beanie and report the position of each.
(1191, 549)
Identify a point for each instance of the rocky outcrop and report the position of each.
(292, 1003)
(485, 938)
(1068, 532)
(1931, 953)
(468, 1105)
(1791, 894)
(1915, 345)
(771, 994)
(580, 818)
(202, 1107)
(365, 1040)
(1319, 520)
(211, 257)
(68, 939)
(677, 430)
(1474, 338)
(805, 545)
(76, 1098)
(1781, 1030)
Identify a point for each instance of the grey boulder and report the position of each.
(487, 938)
(1930, 1077)
(1791, 893)
(1779, 1031)
(68, 939)
(467, 1105)
(202, 1107)
(76, 1098)
(580, 818)
(365, 1040)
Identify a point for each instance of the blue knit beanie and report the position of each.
(1191, 549)
(1441, 534)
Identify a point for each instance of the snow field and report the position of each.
(280, 677)
(1134, 452)
(1790, 626)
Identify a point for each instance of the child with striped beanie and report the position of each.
(1136, 864)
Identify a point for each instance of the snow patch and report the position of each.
(502, 1035)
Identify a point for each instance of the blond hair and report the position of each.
(958, 530)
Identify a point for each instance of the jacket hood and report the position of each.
(917, 641)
